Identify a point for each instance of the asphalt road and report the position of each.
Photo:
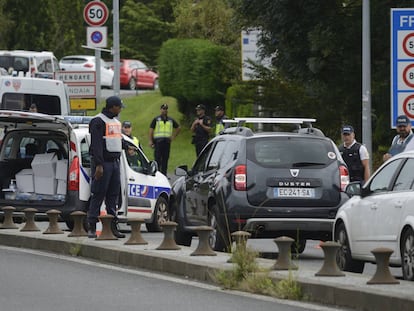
(32, 280)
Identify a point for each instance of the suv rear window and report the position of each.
(289, 151)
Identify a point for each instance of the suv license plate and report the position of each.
(294, 192)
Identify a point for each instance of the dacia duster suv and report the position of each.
(270, 184)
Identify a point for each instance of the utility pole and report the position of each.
(366, 79)
(115, 48)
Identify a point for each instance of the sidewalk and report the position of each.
(349, 291)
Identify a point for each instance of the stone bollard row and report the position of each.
(284, 262)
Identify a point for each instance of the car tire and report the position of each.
(298, 246)
(343, 256)
(132, 84)
(407, 254)
(161, 214)
(180, 235)
(219, 239)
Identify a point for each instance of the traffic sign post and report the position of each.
(402, 64)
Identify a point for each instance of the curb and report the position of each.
(350, 291)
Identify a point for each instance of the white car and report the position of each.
(379, 214)
(88, 63)
(45, 164)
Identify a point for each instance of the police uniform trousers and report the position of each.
(106, 188)
(162, 153)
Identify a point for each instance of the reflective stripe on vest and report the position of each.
(163, 129)
(113, 134)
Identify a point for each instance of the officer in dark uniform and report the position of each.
(201, 128)
(105, 151)
(355, 155)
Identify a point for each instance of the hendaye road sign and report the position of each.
(95, 13)
(402, 64)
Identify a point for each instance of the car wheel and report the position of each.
(219, 239)
(156, 85)
(343, 256)
(298, 247)
(407, 255)
(132, 84)
(160, 215)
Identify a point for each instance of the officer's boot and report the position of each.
(92, 231)
(115, 230)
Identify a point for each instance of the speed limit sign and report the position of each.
(95, 13)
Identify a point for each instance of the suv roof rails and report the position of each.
(298, 121)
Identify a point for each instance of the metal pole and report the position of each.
(98, 75)
(116, 46)
(366, 79)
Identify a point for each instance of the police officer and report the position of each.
(127, 130)
(355, 155)
(402, 139)
(105, 151)
(201, 128)
(220, 116)
(163, 130)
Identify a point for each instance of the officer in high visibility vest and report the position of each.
(220, 116)
(127, 130)
(163, 130)
(105, 151)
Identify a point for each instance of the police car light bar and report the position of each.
(78, 119)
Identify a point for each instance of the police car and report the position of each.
(45, 164)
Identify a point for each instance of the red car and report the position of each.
(135, 74)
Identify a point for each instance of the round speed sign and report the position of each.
(95, 13)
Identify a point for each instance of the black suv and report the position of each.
(269, 183)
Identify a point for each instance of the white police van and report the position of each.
(45, 164)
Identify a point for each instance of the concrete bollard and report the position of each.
(168, 243)
(29, 214)
(203, 248)
(382, 274)
(53, 222)
(240, 238)
(78, 229)
(8, 222)
(330, 267)
(106, 233)
(136, 237)
(284, 261)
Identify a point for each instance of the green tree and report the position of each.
(144, 26)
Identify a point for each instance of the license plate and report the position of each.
(294, 192)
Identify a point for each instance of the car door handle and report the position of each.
(374, 206)
(398, 205)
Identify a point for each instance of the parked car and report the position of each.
(135, 74)
(88, 63)
(379, 214)
(270, 184)
(29, 63)
(45, 164)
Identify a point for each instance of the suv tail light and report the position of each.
(344, 177)
(240, 178)
(74, 175)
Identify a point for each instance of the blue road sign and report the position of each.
(402, 64)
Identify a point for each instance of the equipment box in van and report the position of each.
(19, 93)
(29, 63)
(45, 164)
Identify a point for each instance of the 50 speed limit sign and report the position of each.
(95, 13)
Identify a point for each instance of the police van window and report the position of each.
(47, 104)
(17, 63)
(85, 157)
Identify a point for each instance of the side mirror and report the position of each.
(181, 170)
(153, 168)
(353, 188)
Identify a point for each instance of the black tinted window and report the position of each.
(21, 102)
(290, 151)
